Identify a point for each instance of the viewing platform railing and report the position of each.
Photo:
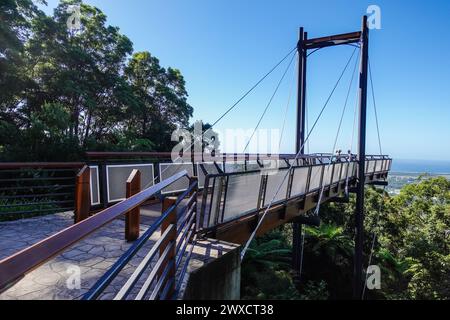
(229, 191)
(29, 189)
(230, 196)
(171, 251)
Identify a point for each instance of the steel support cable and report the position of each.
(316, 211)
(313, 52)
(384, 188)
(252, 236)
(345, 105)
(287, 106)
(373, 241)
(306, 120)
(334, 147)
(252, 88)
(301, 255)
(306, 103)
(355, 114)
(349, 152)
(375, 107)
(350, 148)
(269, 103)
(231, 108)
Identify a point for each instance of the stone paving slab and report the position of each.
(20, 234)
(91, 257)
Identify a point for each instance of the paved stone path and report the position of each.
(20, 234)
(91, 257)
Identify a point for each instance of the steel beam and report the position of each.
(378, 183)
(334, 40)
(300, 138)
(359, 210)
(301, 98)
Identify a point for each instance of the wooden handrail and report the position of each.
(222, 156)
(167, 155)
(82, 194)
(41, 165)
(17, 265)
(101, 155)
(132, 217)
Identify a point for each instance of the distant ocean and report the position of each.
(421, 166)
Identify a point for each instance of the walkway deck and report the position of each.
(228, 209)
(93, 255)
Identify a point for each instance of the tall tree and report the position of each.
(15, 28)
(162, 104)
(115, 100)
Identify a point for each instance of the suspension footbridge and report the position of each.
(170, 211)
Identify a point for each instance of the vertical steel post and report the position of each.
(359, 210)
(301, 93)
(103, 184)
(300, 139)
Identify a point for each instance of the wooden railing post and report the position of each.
(82, 194)
(132, 217)
(172, 238)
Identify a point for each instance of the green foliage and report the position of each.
(265, 270)
(421, 216)
(80, 91)
(12, 213)
(315, 290)
(411, 247)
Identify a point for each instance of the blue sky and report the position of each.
(223, 47)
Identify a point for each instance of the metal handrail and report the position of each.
(117, 267)
(17, 265)
(37, 187)
(41, 165)
(342, 176)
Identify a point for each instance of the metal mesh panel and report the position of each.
(344, 171)
(299, 181)
(379, 166)
(216, 200)
(166, 170)
(328, 171)
(117, 176)
(371, 166)
(242, 194)
(253, 165)
(274, 164)
(316, 173)
(235, 166)
(210, 169)
(273, 182)
(351, 170)
(384, 165)
(337, 172)
(95, 191)
(355, 169)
